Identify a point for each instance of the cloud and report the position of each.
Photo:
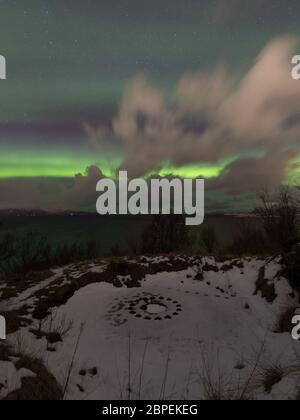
(153, 132)
(138, 100)
(251, 174)
(211, 119)
(98, 137)
(267, 97)
(203, 93)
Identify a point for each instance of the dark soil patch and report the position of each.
(285, 320)
(235, 263)
(208, 267)
(51, 337)
(5, 352)
(16, 319)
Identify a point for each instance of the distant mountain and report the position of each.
(38, 212)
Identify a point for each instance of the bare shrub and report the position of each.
(7, 252)
(278, 216)
(166, 234)
(31, 252)
(31, 249)
(248, 239)
(208, 239)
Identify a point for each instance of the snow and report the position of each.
(159, 334)
(155, 308)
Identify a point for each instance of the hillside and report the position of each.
(152, 328)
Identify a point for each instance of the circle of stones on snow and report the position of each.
(147, 307)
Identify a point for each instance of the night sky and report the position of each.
(189, 88)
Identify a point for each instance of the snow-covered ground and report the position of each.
(175, 334)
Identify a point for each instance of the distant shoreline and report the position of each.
(32, 213)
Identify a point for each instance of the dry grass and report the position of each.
(271, 376)
(56, 330)
(241, 383)
(71, 365)
(219, 386)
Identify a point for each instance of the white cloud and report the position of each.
(212, 118)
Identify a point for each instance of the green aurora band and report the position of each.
(33, 163)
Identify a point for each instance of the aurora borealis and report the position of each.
(72, 63)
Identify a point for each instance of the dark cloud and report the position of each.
(82, 194)
(49, 194)
(32, 193)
